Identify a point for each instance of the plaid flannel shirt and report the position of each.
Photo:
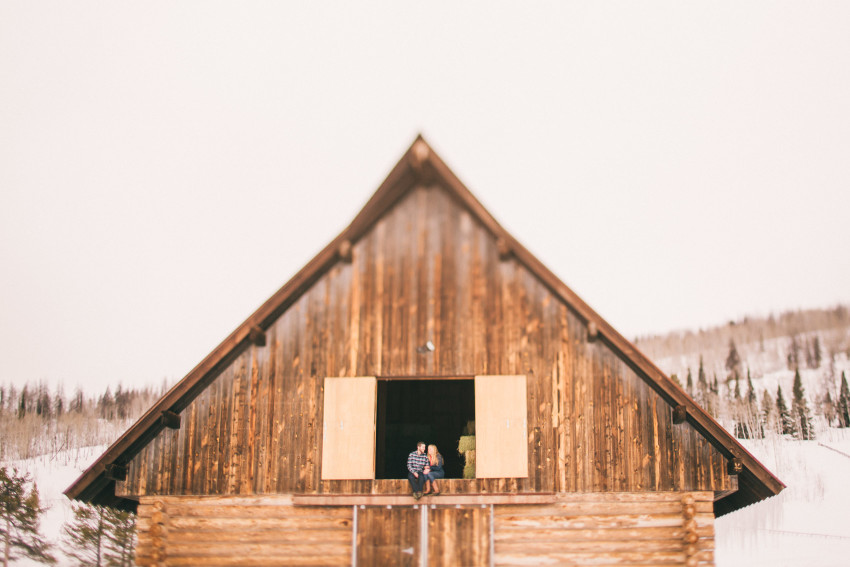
(416, 462)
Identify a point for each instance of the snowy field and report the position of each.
(807, 524)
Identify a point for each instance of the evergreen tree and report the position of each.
(800, 410)
(59, 401)
(77, 401)
(751, 392)
(767, 409)
(733, 361)
(783, 416)
(106, 405)
(844, 403)
(24, 403)
(793, 356)
(690, 383)
(737, 388)
(121, 538)
(828, 409)
(702, 383)
(100, 536)
(84, 535)
(817, 354)
(20, 512)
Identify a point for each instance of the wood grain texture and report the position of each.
(427, 270)
(671, 528)
(240, 531)
(501, 429)
(388, 536)
(349, 428)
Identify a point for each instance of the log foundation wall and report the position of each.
(673, 528)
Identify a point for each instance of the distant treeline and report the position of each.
(724, 369)
(35, 420)
(801, 338)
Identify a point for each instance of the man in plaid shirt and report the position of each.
(416, 463)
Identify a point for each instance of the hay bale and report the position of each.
(469, 468)
(466, 443)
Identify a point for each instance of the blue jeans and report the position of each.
(416, 483)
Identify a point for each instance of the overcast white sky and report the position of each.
(165, 167)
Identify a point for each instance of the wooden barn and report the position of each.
(425, 319)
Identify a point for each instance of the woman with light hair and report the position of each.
(433, 471)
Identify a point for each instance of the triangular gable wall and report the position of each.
(501, 268)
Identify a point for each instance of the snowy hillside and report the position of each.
(809, 522)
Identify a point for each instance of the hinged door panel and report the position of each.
(348, 429)
(501, 440)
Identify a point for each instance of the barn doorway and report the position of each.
(434, 411)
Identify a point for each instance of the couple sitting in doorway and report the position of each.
(423, 470)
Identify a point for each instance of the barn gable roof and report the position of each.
(420, 164)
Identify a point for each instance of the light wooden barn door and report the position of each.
(348, 428)
(501, 440)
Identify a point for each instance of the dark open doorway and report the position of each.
(433, 411)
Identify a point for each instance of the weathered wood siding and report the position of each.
(671, 528)
(241, 531)
(608, 529)
(427, 271)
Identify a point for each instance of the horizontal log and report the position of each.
(590, 521)
(600, 509)
(408, 500)
(632, 496)
(242, 561)
(177, 550)
(282, 537)
(546, 547)
(198, 524)
(271, 536)
(256, 500)
(266, 512)
(596, 558)
(530, 536)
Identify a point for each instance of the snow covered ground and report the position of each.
(807, 524)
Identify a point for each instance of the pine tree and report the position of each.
(733, 361)
(818, 354)
(800, 410)
(793, 356)
(106, 405)
(100, 536)
(702, 383)
(751, 392)
(59, 401)
(690, 383)
(77, 401)
(84, 535)
(24, 404)
(783, 416)
(120, 538)
(20, 513)
(844, 403)
(828, 409)
(737, 388)
(767, 409)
